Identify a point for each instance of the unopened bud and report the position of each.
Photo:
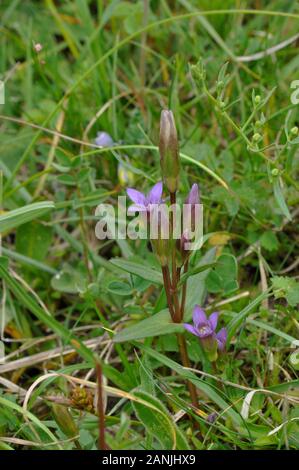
(256, 137)
(160, 241)
(294, 131)
(64, 420)
(257, 99)
(169, 151)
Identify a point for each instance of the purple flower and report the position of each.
(143, 202)
(205, 329)
(193, 196)
(103, 139)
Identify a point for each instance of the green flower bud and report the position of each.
(64, 420)
(294, 131)
(256, 137)
(275, 172)
(161, 242)
(161, 248)
(169, 151)
(125, 176)
(257, 99)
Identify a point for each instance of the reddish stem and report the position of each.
(167, 287)
(100, 408)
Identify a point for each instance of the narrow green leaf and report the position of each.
(24, 214)
(280, 199)
(207, 389)
(29, 302)
(241, 316)
(155, 419)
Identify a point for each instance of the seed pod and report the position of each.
(169, 151)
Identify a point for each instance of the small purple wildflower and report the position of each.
(103, 139)
(205, 329)
(143, 202)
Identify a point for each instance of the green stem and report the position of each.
(186, 363)
(244, 137)
(174, 281)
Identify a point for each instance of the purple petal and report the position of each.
(221, 338)
(191, 329)
(199, 316)
(193, 196)
(213, 320)
(205, 331)
(103, 139)
(155, 194)
(136, 196)
(136, 208)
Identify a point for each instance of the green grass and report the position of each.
(69, 300)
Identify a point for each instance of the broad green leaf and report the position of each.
(158, 422)
(33, 240)
(269, 241)
(223, 277)
(70, 280)
(196, 285)
(194, 271)
(158, 324)
(119, 288)
(24, 214)
(286, 287)
(139, 269)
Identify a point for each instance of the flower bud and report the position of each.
(103, 139)
(256, 137)
(64, 420)
(275, 172)
(169, 151)
(160, 241)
